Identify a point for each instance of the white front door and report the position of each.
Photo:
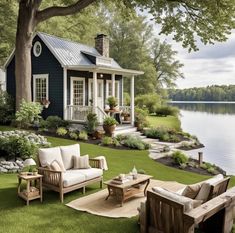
(100, 93)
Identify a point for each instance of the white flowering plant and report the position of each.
(21, 144)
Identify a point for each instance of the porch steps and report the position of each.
(125, 130)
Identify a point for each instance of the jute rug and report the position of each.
(96, 204)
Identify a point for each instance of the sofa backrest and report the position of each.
(47, 155)
(67, 153)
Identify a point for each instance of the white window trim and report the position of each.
(118, 89)
(38, 76)
(71, 89)
(89, 90)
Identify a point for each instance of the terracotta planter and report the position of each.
(127, 118)
(109, 129)
(138, 126)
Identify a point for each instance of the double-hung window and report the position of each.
(40, 87)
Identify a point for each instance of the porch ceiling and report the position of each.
(107, 70)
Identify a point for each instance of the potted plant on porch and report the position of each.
(112, 102)
(109, 125)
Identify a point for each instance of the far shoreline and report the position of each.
(201, 102)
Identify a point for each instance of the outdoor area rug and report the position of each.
(96, 204)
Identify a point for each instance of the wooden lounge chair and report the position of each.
(161, 214)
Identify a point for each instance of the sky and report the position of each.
(211, 65)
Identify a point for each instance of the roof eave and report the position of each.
(106, 69)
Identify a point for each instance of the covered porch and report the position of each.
(89, 93)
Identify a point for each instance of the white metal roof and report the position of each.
(74, 55)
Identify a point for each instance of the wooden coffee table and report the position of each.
(122, 192)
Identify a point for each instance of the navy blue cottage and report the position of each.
(73, 77)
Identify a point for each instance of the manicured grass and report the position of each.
(54, 217)
(169, 121)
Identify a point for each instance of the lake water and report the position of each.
(214, 125)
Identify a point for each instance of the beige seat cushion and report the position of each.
(191, 191)
(67, 153)
(73, 177)
(187, 202)
(91, 173)
(48, 155)
(204, 192)
(81, 162)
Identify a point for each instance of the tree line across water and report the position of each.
(209, 93)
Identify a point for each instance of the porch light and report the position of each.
(101, 75)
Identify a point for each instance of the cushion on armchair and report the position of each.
(48, 155)
(187, 202)
(67, 153)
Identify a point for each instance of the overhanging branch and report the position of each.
(62, 11)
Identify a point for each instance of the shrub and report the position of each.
(109, 121)
(83, 135)
(53, 122)
(167, 111)
(179, 157)
(61, 131)
(157, 133)
(6, 108)
(148, 101)
(174, 138)
(183, 165)
(107, 141)
(141, 118)
(212, 170)
(29, 113)
(135, 143)
(21, 144)
(127, 99)
(73, 135)
(91, 123)
(116, 142)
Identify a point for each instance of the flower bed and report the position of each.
(21, 144)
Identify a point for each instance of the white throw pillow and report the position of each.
(187, 202)
(204, 192)
(48, 155)
(67, 153)
(81, 162)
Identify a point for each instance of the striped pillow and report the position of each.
(56, 166)
(81, 162)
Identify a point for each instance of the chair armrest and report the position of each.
(95, 163)
(51, 177)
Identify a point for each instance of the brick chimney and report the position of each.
(102, 44)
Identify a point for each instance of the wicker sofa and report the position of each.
(70, 179)
(169, 212)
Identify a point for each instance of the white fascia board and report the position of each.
(106, 70)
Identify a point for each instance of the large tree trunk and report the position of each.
(24, 36)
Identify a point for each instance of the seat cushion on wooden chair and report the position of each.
(67, 153)
(73, 177)
(48, 155)
(187, 202)
(91, 173)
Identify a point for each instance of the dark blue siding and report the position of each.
(46, 63)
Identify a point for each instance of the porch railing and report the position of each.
(78, 113)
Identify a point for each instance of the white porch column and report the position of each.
(65, 114)
(113, 85)
(95, 92)
(132, 100)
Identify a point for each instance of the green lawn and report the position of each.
(169, 121)
(54, 217)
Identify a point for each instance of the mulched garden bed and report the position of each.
(168, 161)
